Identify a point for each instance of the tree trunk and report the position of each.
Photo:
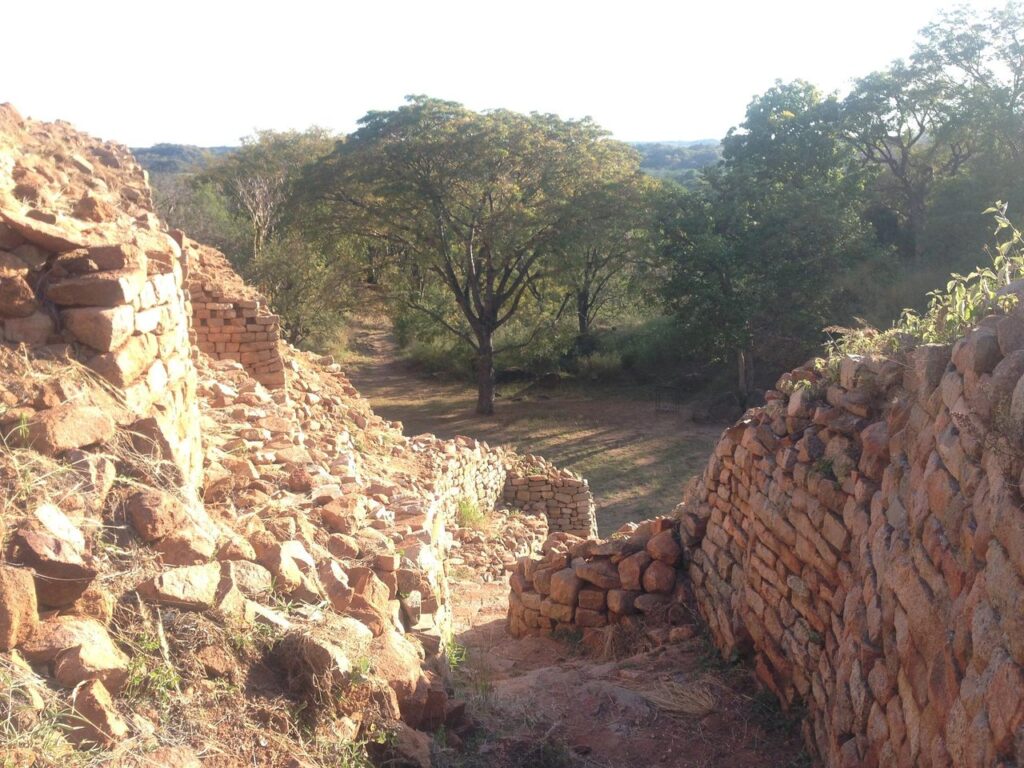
(485, 375)
(583, 312)
(745, 369)
(916, 214)
(371, 266)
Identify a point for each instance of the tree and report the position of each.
(757, 259)
(980, 59)
(607, 239)
(305, 273)
(309, 285)
(259, 178)
(476, 201)
(906, 121)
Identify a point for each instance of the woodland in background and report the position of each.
(530, 244)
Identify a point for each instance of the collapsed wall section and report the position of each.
(319, 531)
(864, 540)
(578, 583)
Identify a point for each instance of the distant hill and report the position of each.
(176, 158)
(680, 161)
(686, 143)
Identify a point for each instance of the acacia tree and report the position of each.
(477, 201)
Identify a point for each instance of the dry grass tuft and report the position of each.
(625, 639)
(29, 479)
(691, 698)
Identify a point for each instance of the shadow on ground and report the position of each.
(636, 459)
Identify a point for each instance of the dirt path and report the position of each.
(554, 703)
(636, 459)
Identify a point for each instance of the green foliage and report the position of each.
(170, 159)
(455, 653)
(258, 180)
(199, 208)
(474, 208)
(469, 513)
(951, 311)
(968, 298)
(648, 348)
(825, 467)
(680, 162)
(246, 203)
(361, 669)
(254, 640)
(36, 733)
(755, 260)
(308, 286)
(599, 365)
(150, 677)
(506, 241)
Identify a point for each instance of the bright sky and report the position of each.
(211, 72)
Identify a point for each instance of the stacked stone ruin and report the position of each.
(588, 583)
(230, 320)
(864, 539)
(484, 476)
(114, 303)
(861, 538)
(564, 498)
(233, 493)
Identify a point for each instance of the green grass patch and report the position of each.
(469, 514)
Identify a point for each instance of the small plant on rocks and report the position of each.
(469, 514)
(951, 311)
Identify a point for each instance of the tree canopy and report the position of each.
(480, 204)
(539, 242)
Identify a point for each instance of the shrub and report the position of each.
(600, 365)
(951, 312)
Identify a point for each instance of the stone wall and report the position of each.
(467, 471)
(305, 493)
(474, 471)
(864, 541)
(592, 583)
(564, 498)
(230, 320)
(86, 276)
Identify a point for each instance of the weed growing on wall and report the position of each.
(951, 311)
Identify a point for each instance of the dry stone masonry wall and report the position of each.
(561, 496)
(138, 471)
(864, 540)
(86, 275)
(477, 473)
(588, 583)
(230, 320)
